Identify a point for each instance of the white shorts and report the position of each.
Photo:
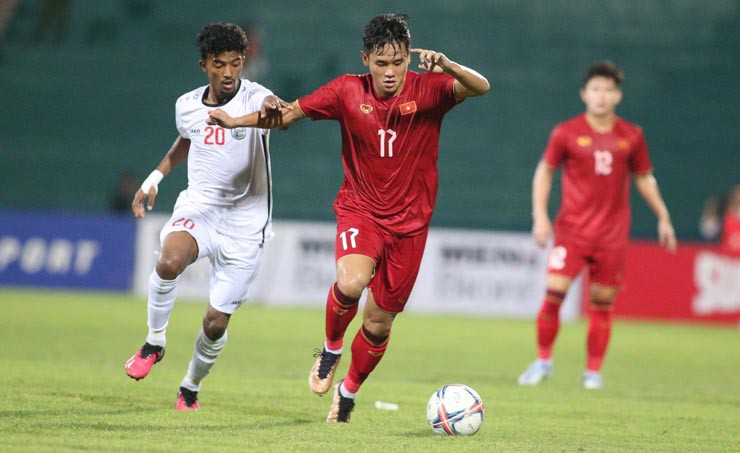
(234, 261)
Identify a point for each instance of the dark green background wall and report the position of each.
(80, 109)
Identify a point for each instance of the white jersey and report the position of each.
(229, 168)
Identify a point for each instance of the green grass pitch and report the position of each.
(63, 387)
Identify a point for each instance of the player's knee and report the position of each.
(215, 326)
(379, 327)
(213, 331)
(603, 296)
(558, 283)
(352, 284)
(170, 266)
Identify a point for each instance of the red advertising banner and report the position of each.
(698, 284)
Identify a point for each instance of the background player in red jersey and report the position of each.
(390, 122)
(598, 151)
(721, 217)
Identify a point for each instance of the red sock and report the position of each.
(548, 322)
(367, 350)
(599, 330)
(340, 310)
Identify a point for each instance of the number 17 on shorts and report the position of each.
(348, 238)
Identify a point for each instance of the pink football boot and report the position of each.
(141, 363)
(187, 400)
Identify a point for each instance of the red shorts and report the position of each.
(397, 259)
(605, 265)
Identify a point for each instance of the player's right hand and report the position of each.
(431, 61)
(137, 206)
(542, 232)
(271, 112)
(667, 235)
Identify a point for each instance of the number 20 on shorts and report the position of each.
(353, 232)
(186, 223)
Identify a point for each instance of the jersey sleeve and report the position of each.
(639, 160)
(256, 96)
(179, 123)
(555, 149)
(440, 89)
(324, 103)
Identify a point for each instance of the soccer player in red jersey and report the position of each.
(390, 122)
(730, 240)
(721, 217)
(598, 151)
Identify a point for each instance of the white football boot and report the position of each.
(592, 380)
(536, 373)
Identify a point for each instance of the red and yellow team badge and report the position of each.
(623, 144)
(584, 141)
(407, 107)
(364, 108)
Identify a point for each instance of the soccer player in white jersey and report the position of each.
(225, 212)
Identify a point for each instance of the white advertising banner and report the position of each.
(483, 272)
(463, 271)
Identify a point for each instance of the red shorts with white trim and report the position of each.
(397, 258)
(605, 264)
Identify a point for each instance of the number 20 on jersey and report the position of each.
(215, 135)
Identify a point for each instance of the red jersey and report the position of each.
(730, 242)
(594, 208)
(389, 146)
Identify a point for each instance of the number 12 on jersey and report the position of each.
(391, 137)
(603, 162)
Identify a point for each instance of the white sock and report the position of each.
(157, 337)
(333, 351)
(162, 294)
(547, 362)
(346, 393)
(205, 353)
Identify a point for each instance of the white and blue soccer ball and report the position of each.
(455, 409)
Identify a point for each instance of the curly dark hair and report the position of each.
(219, 37)
(604, 69)
(386, 29)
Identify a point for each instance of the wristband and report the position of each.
(152, 181)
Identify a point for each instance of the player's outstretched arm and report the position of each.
(648, 188)
(468, 83)
(275, 115)
(541, 186)
(177, 153)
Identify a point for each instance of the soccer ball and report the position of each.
(455, 409)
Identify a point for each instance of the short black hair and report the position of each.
(386, 29)
(219, 37)
(604, 69)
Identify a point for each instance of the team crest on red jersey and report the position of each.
(623, 144)
(364, 108)
(407, 107)
(584, 141)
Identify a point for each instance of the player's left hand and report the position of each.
(220, 118)
(431, 61)
(667, 236)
